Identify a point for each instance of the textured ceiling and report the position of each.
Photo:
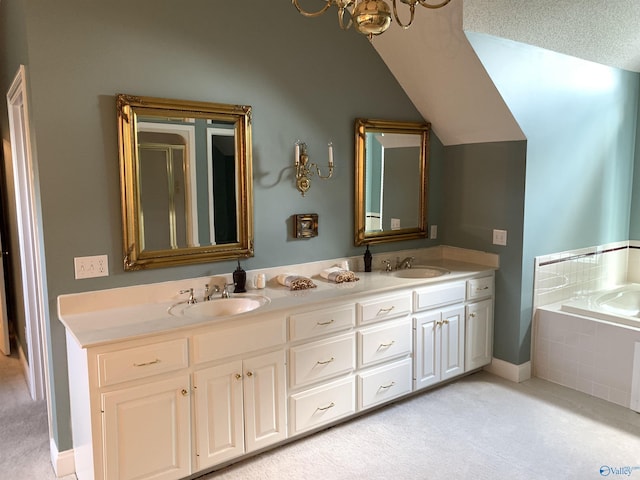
(606, 32)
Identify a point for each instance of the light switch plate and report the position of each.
(395, 224)
(500, 237)
(89, 267)
(434, 232)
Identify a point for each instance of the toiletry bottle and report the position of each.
(367, 260)
(239, 279)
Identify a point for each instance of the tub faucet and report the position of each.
(405, 263)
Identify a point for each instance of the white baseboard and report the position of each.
(515, 373)
(63, 462)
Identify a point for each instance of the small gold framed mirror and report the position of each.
(391, 180)
(186, 181)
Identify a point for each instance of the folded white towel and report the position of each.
(295, 282)
(338, 275)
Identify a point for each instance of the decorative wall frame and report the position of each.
(305, 225)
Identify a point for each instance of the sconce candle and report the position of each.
(305, 169)
(330, 154)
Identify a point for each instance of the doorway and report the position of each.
(29, 237)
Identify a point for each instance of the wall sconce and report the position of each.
(304, 169)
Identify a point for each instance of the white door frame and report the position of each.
(30, 239)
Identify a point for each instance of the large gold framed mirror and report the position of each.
(186, 181)
(391, 178)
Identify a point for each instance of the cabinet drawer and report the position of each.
(376, 344)
(383, 308)
(234, 340)
(479, 287)
(384, 383)
(324, 359)
(140, 362)
(319, 322)
(322, 405)
(438, 296)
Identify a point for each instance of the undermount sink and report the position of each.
(220, 307)
(421, 272)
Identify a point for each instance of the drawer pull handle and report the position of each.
(144, 364)
(386, 345)
(322, 324)
(385, 387)
(184, 392)
(483, 288)
(383, 311)
(322, 409)
(326, 362)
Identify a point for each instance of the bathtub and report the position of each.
(619, 305)
(592, 344)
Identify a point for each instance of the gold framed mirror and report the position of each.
(391, 180)
(185, 180)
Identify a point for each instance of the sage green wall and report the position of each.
(634, 222)
(304, 78)
(580, 119)
(483, 189)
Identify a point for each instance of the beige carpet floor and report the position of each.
(480, 427)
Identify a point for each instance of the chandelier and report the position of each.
(369, 17)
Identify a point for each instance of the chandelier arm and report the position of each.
(341, 12)
(312, 14)
(412, 9)
(428, 5)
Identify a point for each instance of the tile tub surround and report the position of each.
(142, 310)
(591, 356)
(565, 275)
(588, 355)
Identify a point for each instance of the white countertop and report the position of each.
(143, 310)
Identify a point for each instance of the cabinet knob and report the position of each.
(472, 315)
(184, 392)
(249, 374)
(238, 376)
(445, 322)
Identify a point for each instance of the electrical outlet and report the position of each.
(395, 224)
(434, 232)
(89, 267)
(500, 237)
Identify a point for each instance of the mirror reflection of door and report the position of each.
(222, 191)
(163, 194)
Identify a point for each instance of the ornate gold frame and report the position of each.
(363, 126)
(128, 108)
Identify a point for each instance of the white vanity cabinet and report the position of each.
(146, 430)
(439, 346)
(479, 322)
(239, 407)
(180, 401)
(131, 409)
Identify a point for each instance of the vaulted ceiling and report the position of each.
(438, 69)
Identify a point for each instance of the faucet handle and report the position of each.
(387, 265)
(192, 299)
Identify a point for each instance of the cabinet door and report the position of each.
(479, 342)
(218, 414)
(452, 342)
(147, 431)
(426, 350)
(264, 400)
